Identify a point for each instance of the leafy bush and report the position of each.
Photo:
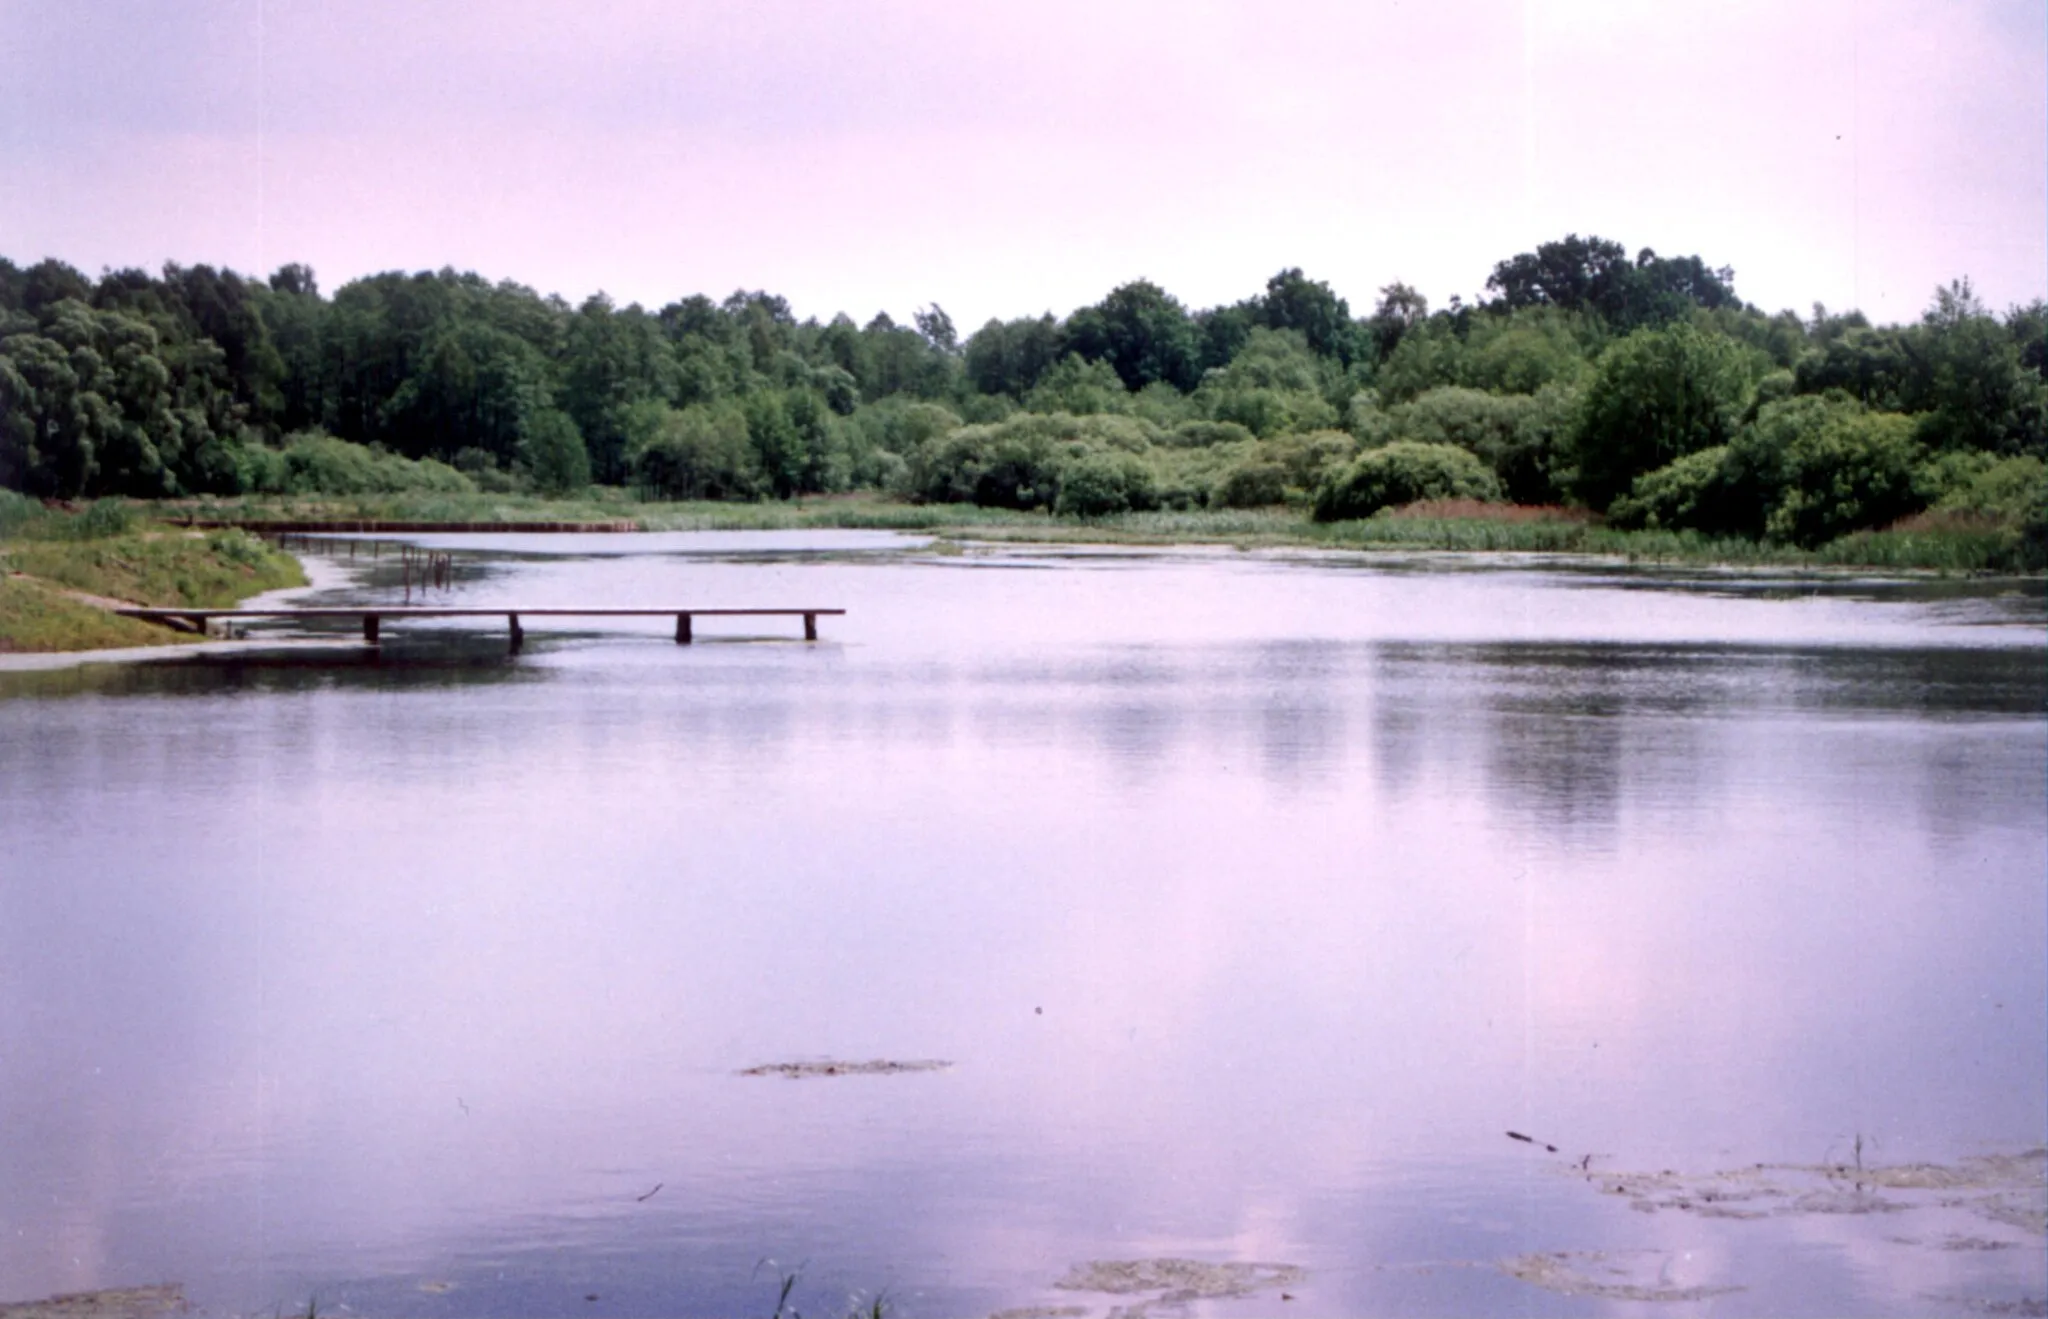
(1021, 462)
(1697, 492)
(1804, 472)
(1205, 434)
(1079, 386)
(900, 425)
(1656, 396)
(1255, 483)
(1522, 352)
(1852, 470)
(2009, 489)
(315, 463)
(1517, 435)
(1400, 473)
(1102, 483)
(2013, 492)
(700, 452)
(551, 450)
(1273, 385)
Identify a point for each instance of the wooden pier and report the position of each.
(373, 616)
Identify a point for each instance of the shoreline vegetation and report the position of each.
(1938, 542)
(62, 569)
(1656, 415)
(61, 573)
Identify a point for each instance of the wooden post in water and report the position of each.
(518, 636)
(370, 622)
(810, 627)
(682, 629)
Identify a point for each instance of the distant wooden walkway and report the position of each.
(373, 616)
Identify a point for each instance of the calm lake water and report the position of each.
(1253, 900)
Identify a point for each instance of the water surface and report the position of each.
(1252, 898)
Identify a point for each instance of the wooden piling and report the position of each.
(683, 637)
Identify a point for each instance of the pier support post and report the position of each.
(518, 635)
(810, 627)
(683, 637)
(370, 622)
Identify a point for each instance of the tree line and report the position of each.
(1638, 386)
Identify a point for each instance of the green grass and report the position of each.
(162, 567)
(34, 617)
(107, 551)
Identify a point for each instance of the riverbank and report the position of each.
(1951, 545)
(61, 575)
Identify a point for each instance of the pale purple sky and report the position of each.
(1007, 159)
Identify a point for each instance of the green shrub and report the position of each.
(1944, 474)
(1102, 483)
(1205, 434)
(315, 463)
(2008, 489)
(1019, 462)
(1654, 397)
(699, 452)
(551, 450)
(2014, 493)
(1255, 483)
(1401, 473)
(1805, 471)
(1697, 492)
(1514, 434)
(1852, 472)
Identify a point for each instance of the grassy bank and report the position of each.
(50, 559)
(1923, 545)
(36, 617)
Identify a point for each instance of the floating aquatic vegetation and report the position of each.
(2012, 1189)
(1619, 1275)
(116, 1303)
(830, 1067)
(1176, 1281)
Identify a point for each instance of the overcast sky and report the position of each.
(1007, 159)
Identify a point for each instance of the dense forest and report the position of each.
(1641, 388)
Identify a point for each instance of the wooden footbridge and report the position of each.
(373, 616)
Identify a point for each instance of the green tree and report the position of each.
(1142, 332)
(1009, 357)
(1655, 396)
(1274, 385)
(553, 454)
(1295, 302)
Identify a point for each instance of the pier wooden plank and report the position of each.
(373, 616)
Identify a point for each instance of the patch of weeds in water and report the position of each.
(1623, 1275)
(2026, 1307)
(828, 1067)
(114, 1303)
(2012, 1188)
(1177, 1281)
